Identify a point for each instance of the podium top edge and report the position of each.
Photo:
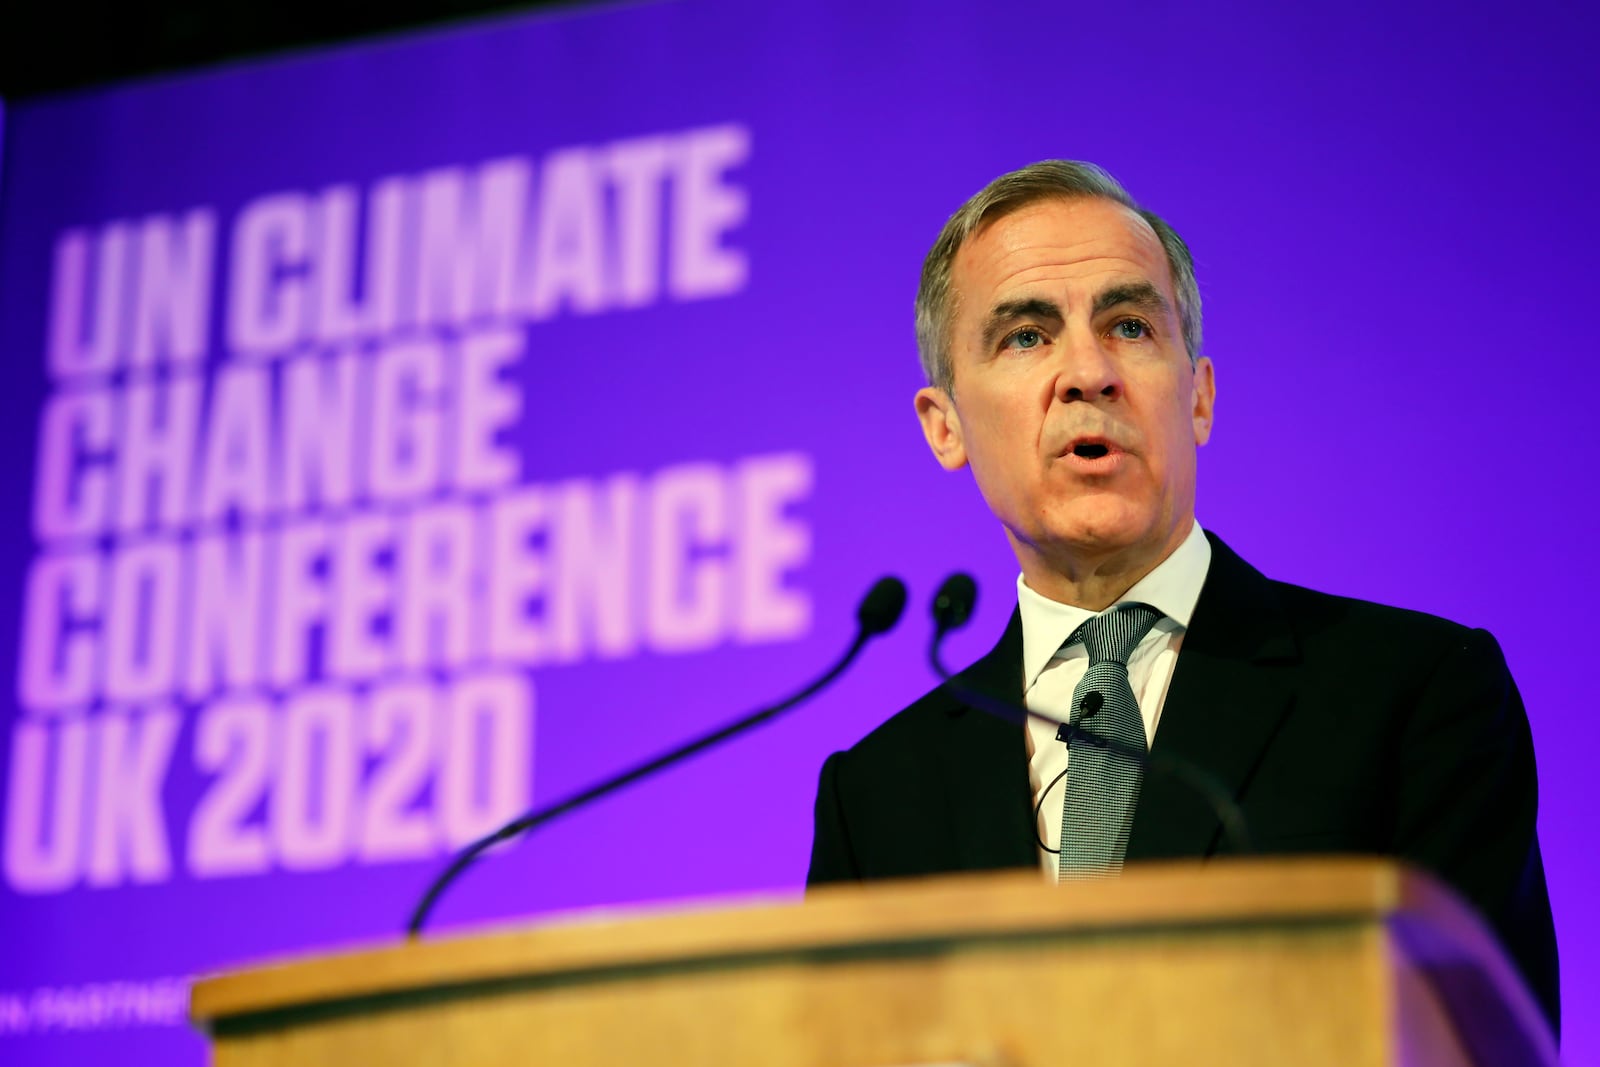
(946, 908)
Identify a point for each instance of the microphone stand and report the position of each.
(880, 610)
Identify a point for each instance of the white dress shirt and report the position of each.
(1050, 673)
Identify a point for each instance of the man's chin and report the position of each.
(1103, 544)
(1108, 527)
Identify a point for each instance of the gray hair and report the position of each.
(1059, 179)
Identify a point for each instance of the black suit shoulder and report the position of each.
(908, 727)
(1329, 623)
(1406, 736)
(939, 786)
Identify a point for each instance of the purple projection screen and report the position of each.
(404, 434)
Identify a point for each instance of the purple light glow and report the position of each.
(462, 522)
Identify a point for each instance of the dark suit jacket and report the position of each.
(1338, 725)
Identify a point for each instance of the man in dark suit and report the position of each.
(1059, 328)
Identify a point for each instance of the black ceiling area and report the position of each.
(49, 46)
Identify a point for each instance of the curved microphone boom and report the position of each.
(878, 613)
(952, 608)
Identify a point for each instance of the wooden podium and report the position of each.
(1303, 962)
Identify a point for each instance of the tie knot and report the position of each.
(1112, 637)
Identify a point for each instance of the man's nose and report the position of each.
(1086, 370)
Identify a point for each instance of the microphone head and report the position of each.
(882, 607)
(953, 603)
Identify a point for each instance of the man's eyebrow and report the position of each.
(1004, 314)
(1140, 295)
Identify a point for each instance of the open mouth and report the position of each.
(1090, 451)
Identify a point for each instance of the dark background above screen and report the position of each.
(48, 46)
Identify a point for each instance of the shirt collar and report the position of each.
(1172, 588)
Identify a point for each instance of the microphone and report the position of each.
(880, 609)
(878, 613)
(1070, 732)
(952, 608)
(953, 603)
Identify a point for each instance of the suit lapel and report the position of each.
(985, 765)
(1229, 694)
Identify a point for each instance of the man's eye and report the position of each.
(1131, 329)
(1027, 337)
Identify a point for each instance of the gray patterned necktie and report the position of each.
(1103, 782)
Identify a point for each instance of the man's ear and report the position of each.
(1205, 399)
(941, 425)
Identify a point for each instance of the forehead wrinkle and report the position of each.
(1051, 264)
(1103, 283)
(1025, 263)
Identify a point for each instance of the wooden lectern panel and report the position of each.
(1348, 962)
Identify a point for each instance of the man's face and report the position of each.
(1074, 403)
